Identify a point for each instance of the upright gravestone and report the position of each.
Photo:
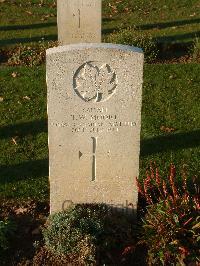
(79, 21)
(94, 109)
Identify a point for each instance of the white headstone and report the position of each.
(94, 109)
(79, 21)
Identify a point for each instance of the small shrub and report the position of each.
(84, 233)
(70, 233)
(130, 36)
(29, 55)
(195, 50)
(171, 227)
(7, 229)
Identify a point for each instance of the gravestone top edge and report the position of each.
(82, 46)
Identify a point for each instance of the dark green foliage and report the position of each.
(85, 232)
(171, 227)
(7, 230)
(65, 230)
(132, 37)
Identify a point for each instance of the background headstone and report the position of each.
(79, 21)
(94, 110)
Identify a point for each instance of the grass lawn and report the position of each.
(166, 20)
(170, 125)
(23, 133)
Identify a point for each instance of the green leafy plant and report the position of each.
(7, 229)
(71, 233)
(195, 50)
(84, 233)
(171, 227)
(130, 36)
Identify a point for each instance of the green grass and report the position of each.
(27, 21)
(167, 20)
(170, 98)
(24, 167)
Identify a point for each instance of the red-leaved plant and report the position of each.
(171, 227)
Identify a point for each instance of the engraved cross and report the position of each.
(93, 155)
(79, 18)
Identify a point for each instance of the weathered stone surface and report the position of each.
(79, 21)
(94, 109)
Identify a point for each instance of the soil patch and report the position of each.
(29, 218)
(27, 248)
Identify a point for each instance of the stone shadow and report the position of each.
(52, 37)
(171, 51)
(24, 170)
(108, 19)
(39, 168)
(177, 38)
(23, 129)
(28, 169)
(170, 142)
(110, 30)
(27, 27)
(164, 25)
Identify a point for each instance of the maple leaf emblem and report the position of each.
(95, 83)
